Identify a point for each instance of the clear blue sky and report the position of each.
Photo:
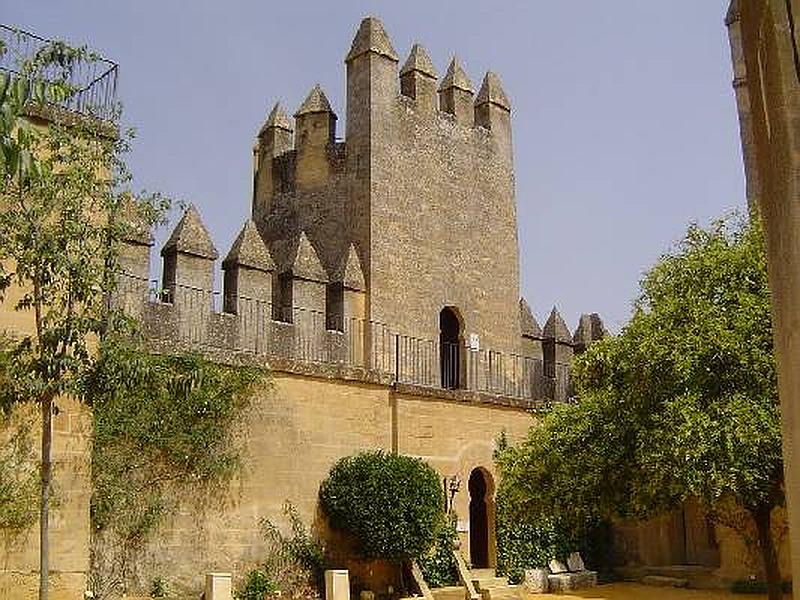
(625, 126)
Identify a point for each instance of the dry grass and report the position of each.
(633, 591)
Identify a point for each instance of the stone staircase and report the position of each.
(454, 592)
(492, 587)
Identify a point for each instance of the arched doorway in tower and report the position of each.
(450, 348)
(481, 519)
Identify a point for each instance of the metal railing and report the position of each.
(91, 81)
(195, 317)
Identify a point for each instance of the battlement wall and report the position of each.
(300, 316)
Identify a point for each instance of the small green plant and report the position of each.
(295, 562)
(438, 564)
(257, 585)
(391, 504)
(158, 588)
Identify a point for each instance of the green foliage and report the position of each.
(524, 545)
(682, 403)
(65, 208)
(166, 428)
(257, 584)
(19, 478)
(438, 564)
(160, 421)
(158, 588)
(391, 504)
(295, 562)
(746, 586)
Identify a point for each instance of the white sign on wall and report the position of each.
(474, 342)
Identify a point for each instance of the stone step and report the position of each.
(453, 592)
(664, 581)
(483, 573)
(685, 571)
(508, 592)
(484, 583)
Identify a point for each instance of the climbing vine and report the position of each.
(165, 426)
(19, 477)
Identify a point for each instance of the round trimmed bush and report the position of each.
(391, 504)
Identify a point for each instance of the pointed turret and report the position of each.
(371, 38)
(248, 250)
(315, 102)
(556, 328)
(306, 263)
(558, 353)
(315, 134)
(247, 271)
(530, 327)
(190, 236)
(316, 121)
(300, 294)
(531, 332)
(353, 276)
(133, 286)
(275, 136)
(274, 139)
(455, 94)
(418, 78)
(590, 329)
(189, 256)
(371, 90)
(492, 107)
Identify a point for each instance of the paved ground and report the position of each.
(633, 591)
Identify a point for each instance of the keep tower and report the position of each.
(420, 194)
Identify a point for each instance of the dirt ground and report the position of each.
(633, 591)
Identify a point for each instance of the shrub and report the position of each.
(295, 562)
(257, 584)
(525, 544)
(438, 564)
(391, 504)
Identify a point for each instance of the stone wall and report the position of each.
(69, 513)
(764, 49)
(298, 429)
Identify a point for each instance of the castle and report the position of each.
(394, 251)
(378, 278)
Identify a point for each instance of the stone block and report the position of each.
(556, 566)
(337, 584)
(218, 586)
(565, 582)
(535, 581)
(575, 562)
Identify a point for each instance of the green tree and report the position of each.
(683, 402)
(64, 193)
(392, 504)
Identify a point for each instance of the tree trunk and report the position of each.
(44, 504)
(769, 555)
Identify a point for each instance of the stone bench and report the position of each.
(564, 582)
(558, 577)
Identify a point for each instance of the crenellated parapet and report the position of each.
(358, 248)
(556, 346)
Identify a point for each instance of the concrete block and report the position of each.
(218, 586)
(337, 584)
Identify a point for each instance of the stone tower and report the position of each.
(422, 189)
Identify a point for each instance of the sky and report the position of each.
(624, 120)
